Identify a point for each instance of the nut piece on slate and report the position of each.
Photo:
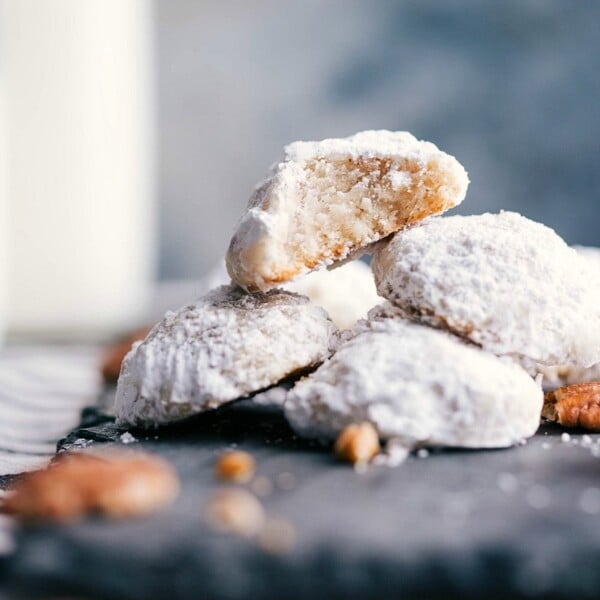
(236, 466)
(114, 484)
(357, 443)
(235, 511)
(574, 406)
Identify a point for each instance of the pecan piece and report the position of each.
(357, 444)
(574, 406)
(236, 466)
(235, 511)
(113, 484)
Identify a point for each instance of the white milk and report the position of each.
(79, 115)
(3, 191)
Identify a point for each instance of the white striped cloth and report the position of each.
(42, 391)
(44, 387)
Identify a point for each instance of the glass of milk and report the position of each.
(79, 159)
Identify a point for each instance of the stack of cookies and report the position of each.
(472, 308)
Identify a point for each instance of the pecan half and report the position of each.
(574, 406)
(114, 484)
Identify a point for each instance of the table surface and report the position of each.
(518, 523)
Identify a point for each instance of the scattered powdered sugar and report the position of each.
(81, 443)
(504, 282)
(127, 438)
(224, 346)
(418, 385)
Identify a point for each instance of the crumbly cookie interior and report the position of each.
(345, 204)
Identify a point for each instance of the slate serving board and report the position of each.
(519, 523)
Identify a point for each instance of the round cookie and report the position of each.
(506, 283)
(417, 385)
(225, 346)
(328, 200)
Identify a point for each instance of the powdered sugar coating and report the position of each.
(419, 385)
(591, 255)
(222, 347)
(504, 282)
(364, 144)
(555, 377)
(347, 293)
(327, 200)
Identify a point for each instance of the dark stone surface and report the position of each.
(494, 524)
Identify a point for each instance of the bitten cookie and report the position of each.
(420, 386)
(506, 283)
(327, 200)
(225, 346)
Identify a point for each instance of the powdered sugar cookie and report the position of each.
(327, 200)
(504, 282)
(420, 386)
(222, 347)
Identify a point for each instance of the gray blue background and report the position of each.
(511, 88)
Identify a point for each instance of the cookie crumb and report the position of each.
(357, 443)
(235, 511)
(127, 438)
(277, 536)
(236, 466)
